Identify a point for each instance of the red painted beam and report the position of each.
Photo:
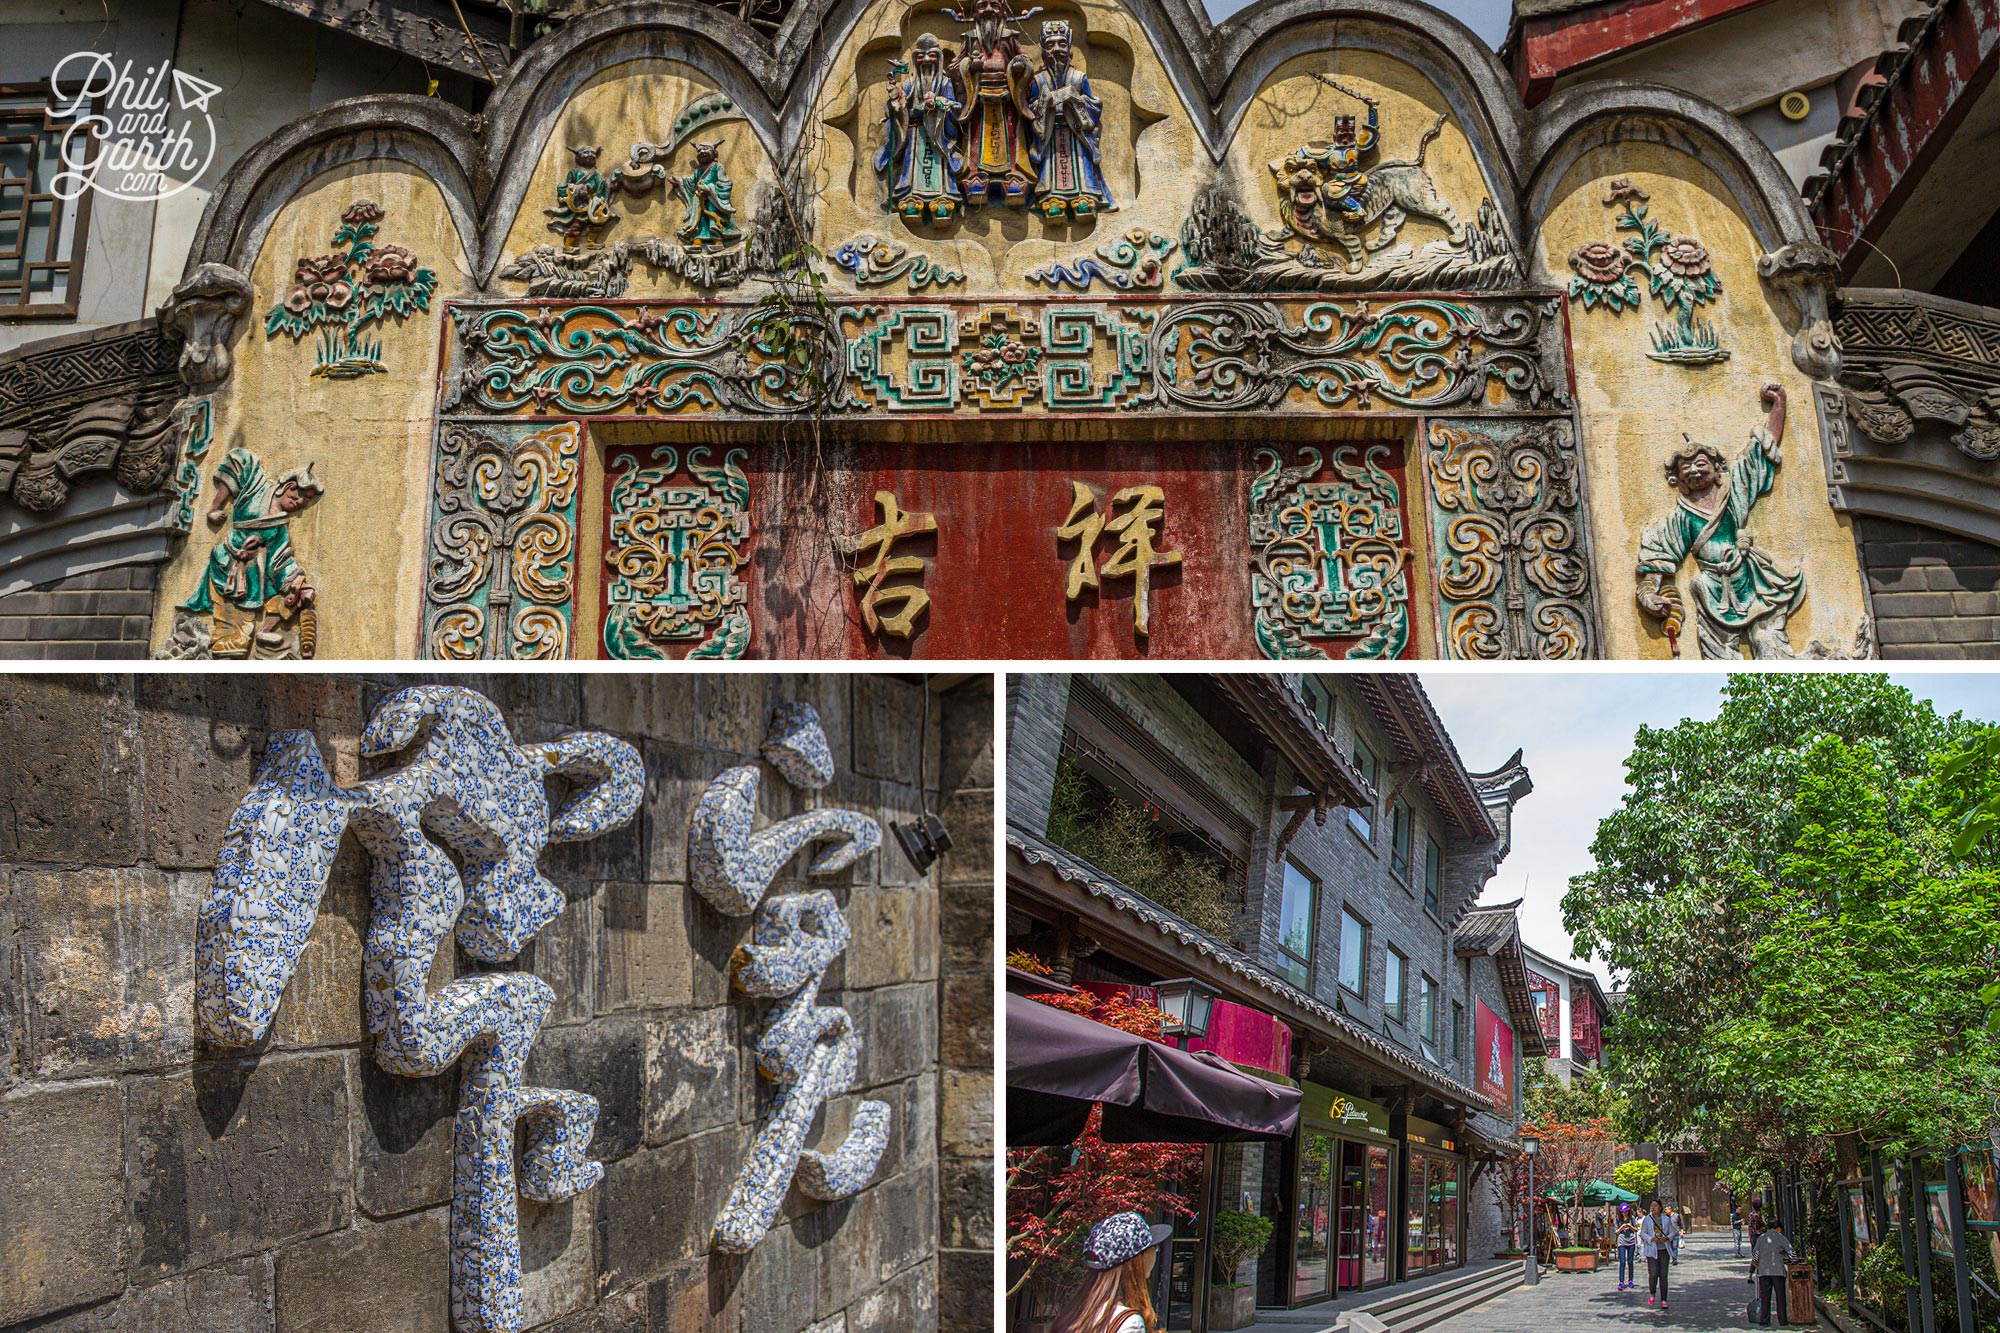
(1560, 44)
(1911, 123)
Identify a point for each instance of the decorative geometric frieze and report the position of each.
(674, 550)
(1329, 553)
(807, 1049)
(1512, 558)
(454, 836)
(499, 582)
(1466, 354)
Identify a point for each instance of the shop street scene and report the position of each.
(1402, 1001)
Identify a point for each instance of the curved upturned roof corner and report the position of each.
(482, 164)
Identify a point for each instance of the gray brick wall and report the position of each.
(106, 615)
(1036, 706)
(149, 1184)
(965, 1014)
(1935, 595)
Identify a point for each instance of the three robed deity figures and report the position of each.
(962, 129)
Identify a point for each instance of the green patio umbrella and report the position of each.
(1596, 1193)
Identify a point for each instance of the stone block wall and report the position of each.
(1935, 596)
(105, 615)
(151, 1183)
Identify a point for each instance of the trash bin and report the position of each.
(1799, 1294)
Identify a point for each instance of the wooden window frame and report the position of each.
(69, 307)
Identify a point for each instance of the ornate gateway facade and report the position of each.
(1078, 330)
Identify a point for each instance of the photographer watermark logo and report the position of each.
(125, 137)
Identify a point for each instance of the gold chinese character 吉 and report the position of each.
(1136, 530)
(909, 599)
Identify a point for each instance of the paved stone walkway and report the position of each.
(1707, 1289)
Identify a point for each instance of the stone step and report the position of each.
(1415, 1310)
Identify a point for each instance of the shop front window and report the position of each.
(1311, 1256)
(1432, 1215)
(1375, 1237)
(1414, 1208)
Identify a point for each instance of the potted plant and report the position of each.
(1237, 1236)
(1576, 1260)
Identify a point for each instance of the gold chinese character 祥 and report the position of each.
(1136, 530)
(909, 598)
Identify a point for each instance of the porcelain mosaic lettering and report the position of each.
(470, 788)
(807, 1049)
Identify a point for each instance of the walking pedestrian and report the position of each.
(1628, 1249)
(1736, 1225)
(1768, 1256)
(1656, 1242)
(1681, 1217)
(1119, 1252)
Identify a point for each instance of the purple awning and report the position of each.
(1059, 1063)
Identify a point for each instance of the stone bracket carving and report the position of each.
(453, 837)
(500, 578)
(1806, 274)
(808, 1049)
(1509, 541)
(203, 314)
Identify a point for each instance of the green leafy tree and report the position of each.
(1801, 945)
(1236, 1237)
(1638, 1175)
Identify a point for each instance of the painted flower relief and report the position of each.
(1679, 271)
(343, 293)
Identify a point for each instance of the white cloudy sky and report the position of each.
(1488, 18)
(1576, 730)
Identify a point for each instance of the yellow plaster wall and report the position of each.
(369, 439)
(1149, 146)
(1634, 409)
(1293, 108)
(617, 107)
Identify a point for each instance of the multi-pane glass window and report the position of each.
(1353, 951)
(1400, 820)
(1433, 874)
(41, 235)
(1319, 699)
(1363, 817)
(1295, 926)
(1427, 1017)
(1392, 986)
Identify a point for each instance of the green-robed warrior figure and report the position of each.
(1740, 593)
(254, 598)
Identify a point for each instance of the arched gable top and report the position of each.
(1578, 120)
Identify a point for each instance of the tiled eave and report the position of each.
(1503, 946)
(1275, 710)
(1943, 60)
(1154, 925)
(1404, 712)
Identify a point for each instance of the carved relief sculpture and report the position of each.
(453, 837)
(1069, 169)
(498, 583)
(583, 200)
(705, 193)
(875, 263)
(919, 162)
(807, 1049)
(1513, 566)
(872, 570)
(203, 313)
(1741, 596)
(1136, 555)
(1329, 555)
(993, 77)
(1342, 212)
(1679, 273)
(254, 599)
(343, 293)
(1135, 261)
(674, 554)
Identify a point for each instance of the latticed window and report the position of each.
(41, 235)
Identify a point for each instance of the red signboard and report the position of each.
(1493, 1056)
(1246, 1036)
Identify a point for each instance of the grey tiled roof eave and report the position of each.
(1039, 851)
